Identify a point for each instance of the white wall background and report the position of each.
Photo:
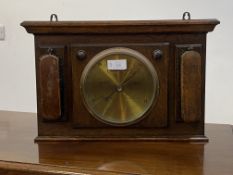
(17, 72)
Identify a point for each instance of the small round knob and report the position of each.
(157, 54)
(50, 51)
(81, 55)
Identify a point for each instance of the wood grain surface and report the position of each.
(167, 118)
(20, 155)
(191, 97)
(134, 26)
(49, 79)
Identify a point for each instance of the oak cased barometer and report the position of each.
(120, 80)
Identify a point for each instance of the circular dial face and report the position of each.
(119, 86)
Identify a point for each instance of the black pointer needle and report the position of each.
(127, 80)
(105, 97)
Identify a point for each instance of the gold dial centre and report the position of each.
(119, 86)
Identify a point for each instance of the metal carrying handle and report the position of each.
(186, 16)
(52, 17)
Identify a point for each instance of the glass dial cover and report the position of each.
(119, 86)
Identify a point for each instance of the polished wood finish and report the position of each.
(189, 80)
(145, 26)
(49, 80)
(20, 155)
(190, 73)
(173, 117)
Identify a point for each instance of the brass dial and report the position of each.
(119, 86)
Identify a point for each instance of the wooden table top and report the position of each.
(20, 155)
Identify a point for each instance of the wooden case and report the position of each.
(179, 110)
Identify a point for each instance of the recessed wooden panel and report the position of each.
(157, 116)
(190, 86)
(49, 82)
